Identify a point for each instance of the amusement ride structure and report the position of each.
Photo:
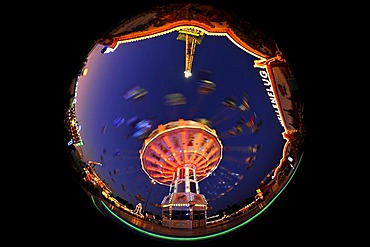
(180, 154)
(192, 37)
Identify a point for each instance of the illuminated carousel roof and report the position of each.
(179, 144)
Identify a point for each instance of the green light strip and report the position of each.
(92, 199)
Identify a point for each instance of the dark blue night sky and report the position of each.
(157, 66)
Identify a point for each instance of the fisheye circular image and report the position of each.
(184, 123)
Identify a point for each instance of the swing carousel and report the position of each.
(180, 154)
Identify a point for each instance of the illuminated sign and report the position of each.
(270, 93)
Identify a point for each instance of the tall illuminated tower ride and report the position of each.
(180, 154)
(192, 37)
